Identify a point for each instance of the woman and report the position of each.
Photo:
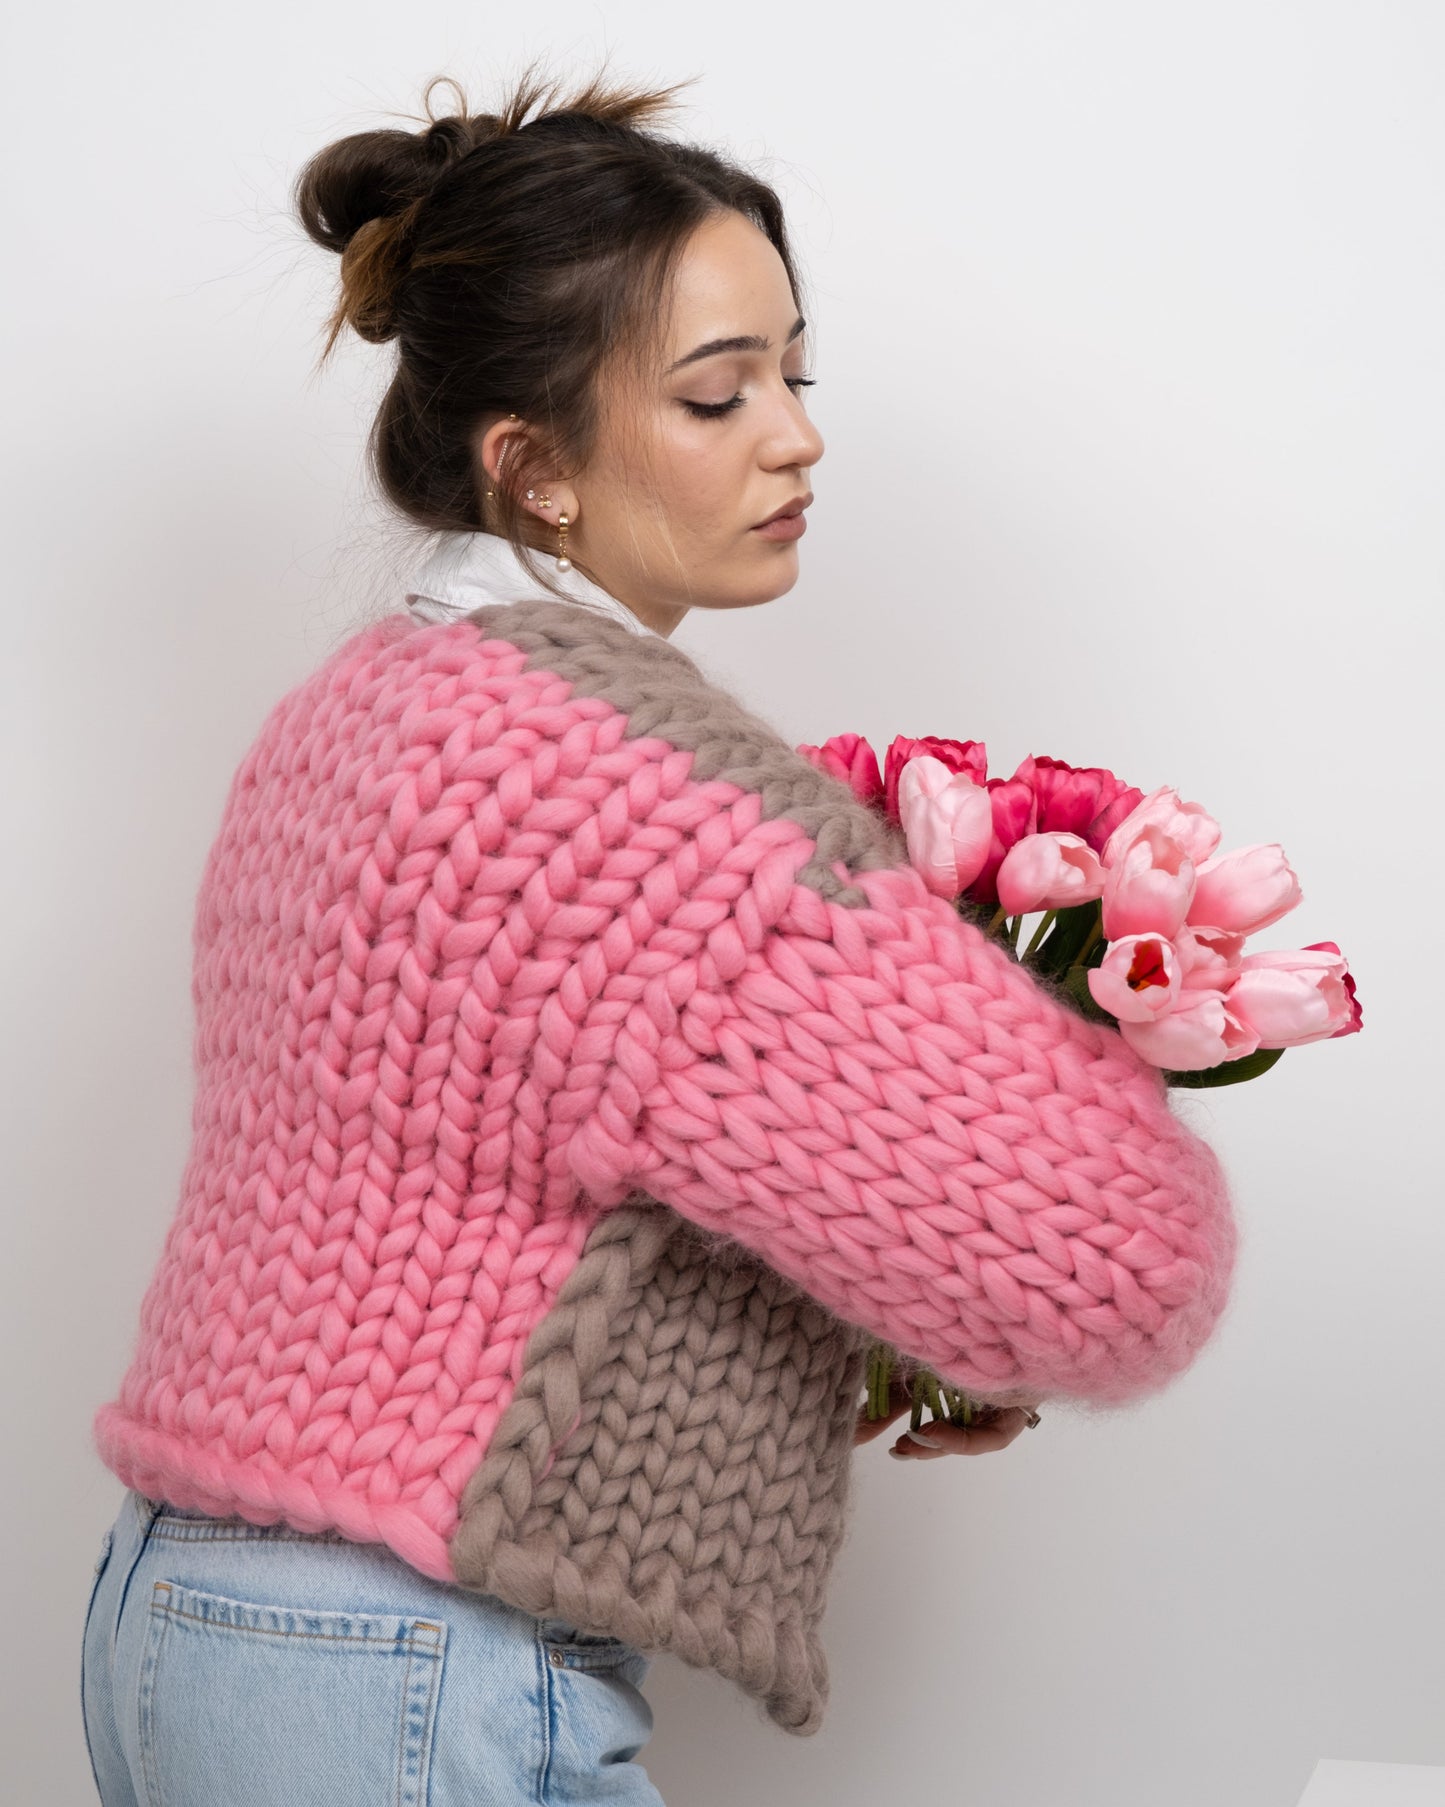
(583, 1079)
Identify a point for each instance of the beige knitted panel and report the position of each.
(661, 691)
(699, 1503)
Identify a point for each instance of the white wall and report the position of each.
(1128, 332)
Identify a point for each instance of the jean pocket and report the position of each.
(570, 1648)
(249, 1705)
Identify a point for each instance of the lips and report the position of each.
(796, 506)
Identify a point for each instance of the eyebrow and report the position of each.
(743, 342)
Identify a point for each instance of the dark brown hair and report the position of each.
(513, 256)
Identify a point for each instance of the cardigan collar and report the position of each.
(466, 571)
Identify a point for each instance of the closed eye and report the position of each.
(714, 410)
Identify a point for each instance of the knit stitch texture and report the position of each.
(582, 1081)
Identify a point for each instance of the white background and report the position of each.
(1128, 330)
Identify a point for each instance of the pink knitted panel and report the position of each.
(369, 1227)
(462, 944)
(898, 1118)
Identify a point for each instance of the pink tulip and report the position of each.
(1208, 958)
(1048, 872)
(1245, 889)
(969, 756)
(851, 758)
(1291, 996)
(1357, 1012)
(1138, 980)
(1201, 1031)
(948, 823)
(1148, 884)
(1189, 824)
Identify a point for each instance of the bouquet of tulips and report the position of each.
(1143, 922)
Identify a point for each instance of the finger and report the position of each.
(964, 1440)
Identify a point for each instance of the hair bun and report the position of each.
(362, 195)
(359, 196)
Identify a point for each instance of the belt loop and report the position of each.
(147, 1511)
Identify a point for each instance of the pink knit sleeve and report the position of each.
(890, 1111)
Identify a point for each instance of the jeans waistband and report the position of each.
(158, 1518)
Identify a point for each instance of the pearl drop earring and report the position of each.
(563, 562)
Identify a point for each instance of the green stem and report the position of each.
(1096, 934)
(879, 1365)
(1040, 931)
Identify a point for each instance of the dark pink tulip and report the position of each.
(1014, 808)
(851, 758)
(1088, 801)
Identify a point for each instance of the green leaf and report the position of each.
(1072, 928)
(1228, 1072)
(1076, 983)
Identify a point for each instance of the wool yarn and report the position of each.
(583, 1080)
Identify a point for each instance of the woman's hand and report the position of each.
(996, 1429)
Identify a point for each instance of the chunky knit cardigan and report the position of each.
(582, 1081)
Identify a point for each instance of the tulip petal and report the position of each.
(1190, 824)
(1245, 889)
(1204, 1034)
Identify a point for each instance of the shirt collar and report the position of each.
(467, 571)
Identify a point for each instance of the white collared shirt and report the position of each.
(466, 571)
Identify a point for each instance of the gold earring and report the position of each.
(543, 501)
(563, 562)
(491, 494)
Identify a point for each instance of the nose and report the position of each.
(796, 441)
(813, 441)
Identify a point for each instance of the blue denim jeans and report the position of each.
(235, 1665)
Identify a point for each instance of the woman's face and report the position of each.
(686, 467)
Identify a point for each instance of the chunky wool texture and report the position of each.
(583, 1081)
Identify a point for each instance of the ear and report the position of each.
(501, 447)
